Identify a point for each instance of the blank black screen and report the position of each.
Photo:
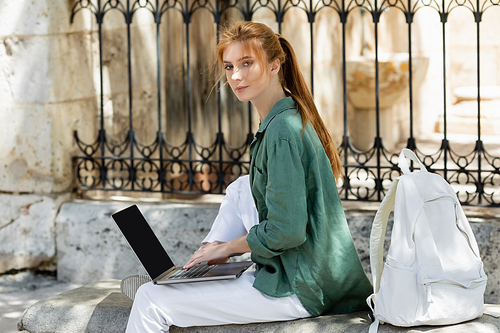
(143, 241)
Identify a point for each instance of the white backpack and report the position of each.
(433, 274)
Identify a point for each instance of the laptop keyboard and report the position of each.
(193, 272)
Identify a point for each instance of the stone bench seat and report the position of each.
(101, 308)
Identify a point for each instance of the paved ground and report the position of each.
(19, 291)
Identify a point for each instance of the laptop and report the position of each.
(157, 262)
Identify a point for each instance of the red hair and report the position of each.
(268, 46)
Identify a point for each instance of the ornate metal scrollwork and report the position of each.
(192, 168)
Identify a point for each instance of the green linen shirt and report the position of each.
(302, 244)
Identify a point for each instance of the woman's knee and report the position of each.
(145, 291)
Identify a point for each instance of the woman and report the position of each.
(305, 259)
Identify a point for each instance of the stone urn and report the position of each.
(394, 71)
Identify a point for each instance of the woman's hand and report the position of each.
(218, 252)
(212, 253)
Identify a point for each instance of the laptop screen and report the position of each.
(143, 241)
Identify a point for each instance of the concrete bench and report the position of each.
(101, 308)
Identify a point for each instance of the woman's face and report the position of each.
(244, 72)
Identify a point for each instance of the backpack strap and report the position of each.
(377, 239)
(411, 155)
(379, 226)
(377, 236)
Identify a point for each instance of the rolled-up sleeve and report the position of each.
(284, 227)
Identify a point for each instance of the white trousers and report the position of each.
(157, 307)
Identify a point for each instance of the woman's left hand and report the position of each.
(211, 253)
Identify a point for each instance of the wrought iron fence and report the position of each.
(163, 167)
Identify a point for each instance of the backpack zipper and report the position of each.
(463, 231)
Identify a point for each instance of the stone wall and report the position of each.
(90, 246)
(27, 232)
(46, 92)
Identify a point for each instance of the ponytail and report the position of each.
(295, 86)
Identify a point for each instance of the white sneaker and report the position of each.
(131, 283)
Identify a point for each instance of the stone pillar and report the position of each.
(46, 92)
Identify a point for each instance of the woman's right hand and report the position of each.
(211, 253)
(218, 251)
(215, 261)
